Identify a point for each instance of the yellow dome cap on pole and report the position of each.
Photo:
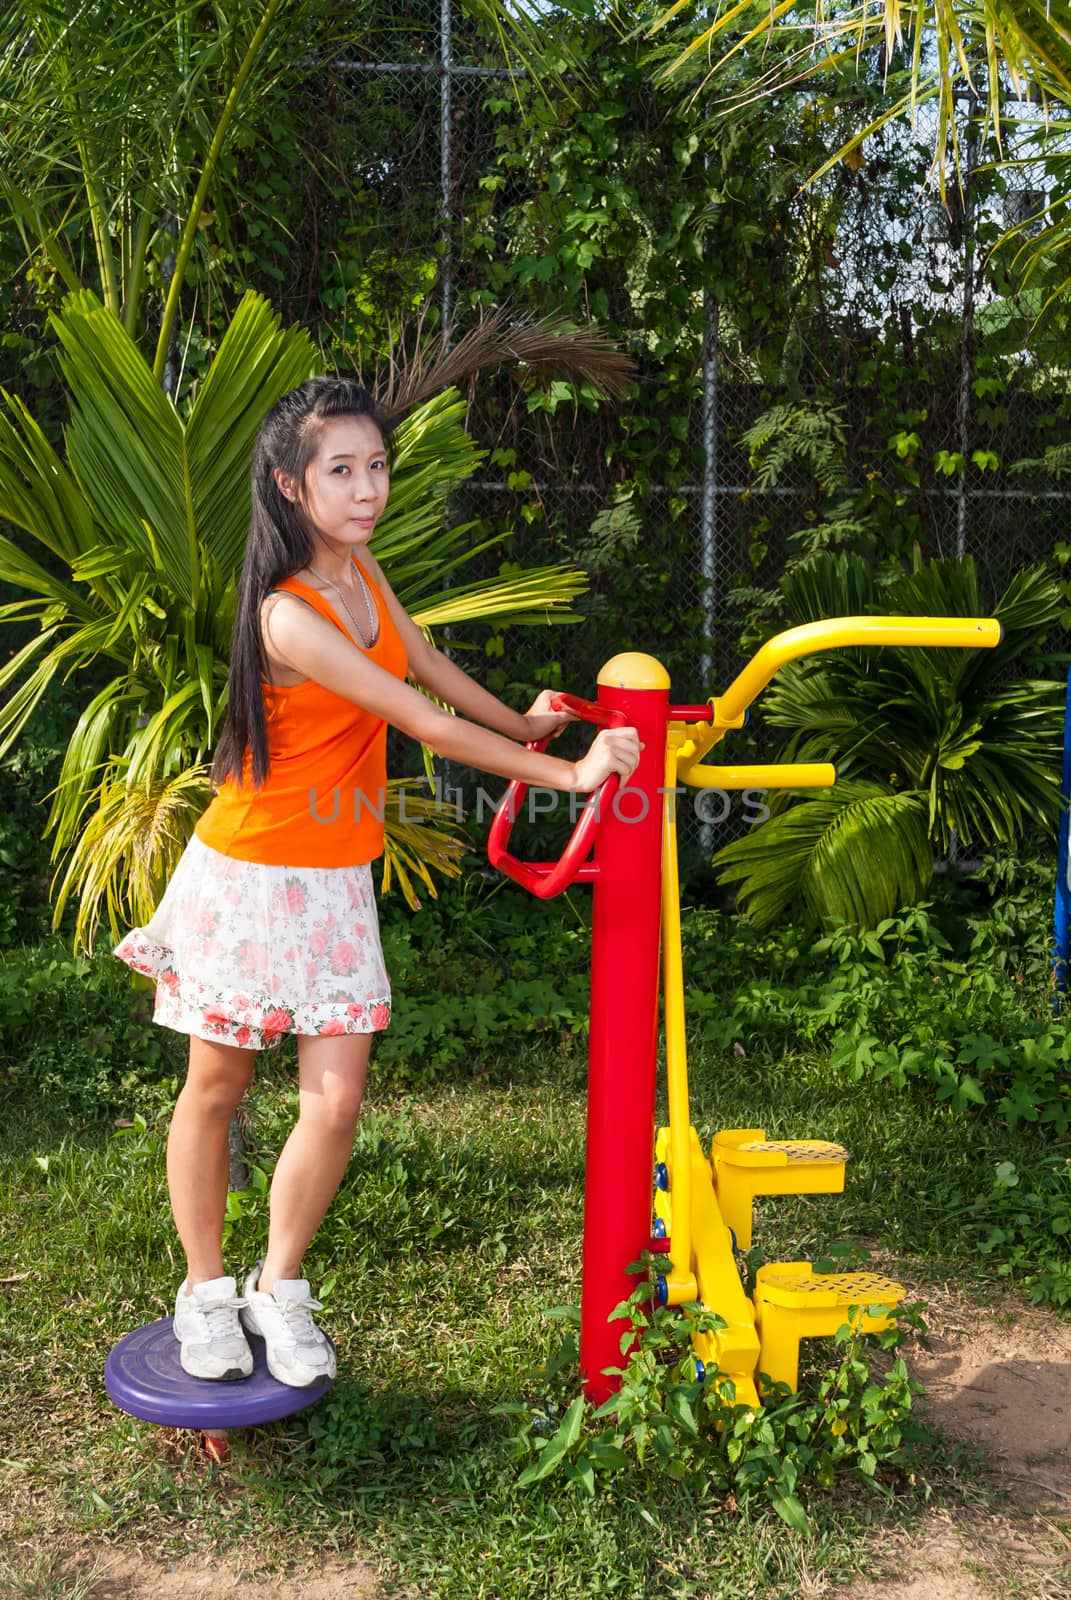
(633, 670)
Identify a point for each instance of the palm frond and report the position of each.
(823, 586)
(125, 443)
(255, 365)
(128, 849)
(536, 595)
(38, 493)
(852, 856)
(418, 838)
(98, 734)
(996, 48)
(433, 456)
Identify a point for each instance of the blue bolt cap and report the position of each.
(700, 1371)
(661, 1292)
(661, 1176)
(658, 1229)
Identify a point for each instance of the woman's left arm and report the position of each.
(433, 670)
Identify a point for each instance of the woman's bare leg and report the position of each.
(332, 1072)
(197, 1155)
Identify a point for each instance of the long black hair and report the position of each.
(279, 544)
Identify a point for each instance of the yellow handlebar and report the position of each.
(730, 708)
(762, 775)
(944, 632)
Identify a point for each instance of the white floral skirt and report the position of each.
(245, 953)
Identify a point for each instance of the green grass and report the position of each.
(458, 1225)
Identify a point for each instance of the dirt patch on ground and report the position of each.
(1002, 1379)
(997, 1379)
(127, 1575)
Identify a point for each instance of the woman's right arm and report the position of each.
(297, 637)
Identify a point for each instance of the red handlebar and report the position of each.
(545, 879)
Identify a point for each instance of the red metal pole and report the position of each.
(624, 1021)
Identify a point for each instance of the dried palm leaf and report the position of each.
(551, 346)
(420, 835)
(141, 828)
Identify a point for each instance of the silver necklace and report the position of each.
(366, 641)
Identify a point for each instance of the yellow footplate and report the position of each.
(793, 1302)
(745, 1164)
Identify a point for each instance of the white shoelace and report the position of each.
(222, 1317)
(297, 1314)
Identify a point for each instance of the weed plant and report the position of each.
(672, 1418)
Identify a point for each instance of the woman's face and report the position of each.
(346, 483)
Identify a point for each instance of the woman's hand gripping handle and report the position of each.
(613, 755)
(613, 750)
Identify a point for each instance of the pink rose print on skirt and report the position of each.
(275, 1023)
(245, 953)
(291, 898)
(343, 956)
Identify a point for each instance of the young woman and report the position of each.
(269, 924)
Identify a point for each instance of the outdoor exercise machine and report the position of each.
(1061, 925)
(702, 1203)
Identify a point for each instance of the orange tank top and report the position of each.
(322, 803)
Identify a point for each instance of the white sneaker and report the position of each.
(208, 1330)
(296, 1351)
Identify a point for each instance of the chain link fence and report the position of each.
(890, 268)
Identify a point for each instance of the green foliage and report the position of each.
(810, 858)
(615, 199)
(143, 519)
(950, 1002)
(148, 515)
(1024, 1218)
(812, 435)
(666, 1421)
(929, 743)
(476, 974)
(126, 193)
(898, 1003)
(924, 52)
(77, 1037)
(27, 774)
(943, 1011)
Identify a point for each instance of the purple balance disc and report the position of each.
(143, 1376)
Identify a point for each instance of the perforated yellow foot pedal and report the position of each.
(793, 1302)
(746, 1164)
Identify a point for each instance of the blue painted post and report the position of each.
(1061, 952)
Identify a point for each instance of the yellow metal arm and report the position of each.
(681, 1284)
(730, 709)
(768, 775)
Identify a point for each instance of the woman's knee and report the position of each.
(337, 1105)
(333, 1072)
(216, 1081)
